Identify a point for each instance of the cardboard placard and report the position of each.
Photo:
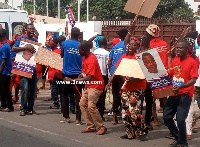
(155, 73)
(49, 58)
(147, 9)
(24, 64)
(129, 68)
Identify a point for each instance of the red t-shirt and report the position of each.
(52, 71)
(162, 48)
(90, 66)
(132, 85)
(181, 76)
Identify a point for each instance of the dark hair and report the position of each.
(103, 42)
(145, 42)
(192, 35)
(86, 45)
(122, 33)
(75, 32)
(61, 39)
(146, 54)
(2, 33)
(30, 24)
(56, 40)
(186, 43)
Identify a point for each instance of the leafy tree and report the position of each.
(108, 9)
(173, 8)
(113, 9)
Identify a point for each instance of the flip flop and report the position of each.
(53, 107)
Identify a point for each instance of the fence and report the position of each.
(169, 28)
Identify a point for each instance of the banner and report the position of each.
(70, 16)
(49, 58)
(24, 64)
(155, 73)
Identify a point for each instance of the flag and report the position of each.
(71, 16)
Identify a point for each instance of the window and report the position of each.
(17, 28)
(4, 25)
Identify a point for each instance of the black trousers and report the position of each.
(149, 105)
(101, 101)
(5, 94)
(67, 90)
(116, 87)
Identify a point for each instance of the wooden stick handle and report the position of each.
(180, 38)
(124, 84)
(136, 16)
(45, 71)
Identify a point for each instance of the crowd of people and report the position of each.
(85, 98)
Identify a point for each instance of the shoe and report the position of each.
(65, 120)
(1, 108)
(188, 137)
(125, 137)
(149, 127)
(170, 136)
(53, 107)
(110, 113)
(183, 145)
(78, 123)
(73, 112)
(22, 113)
(7, 110)
(102, 131)
(88, 130)
(174, 144)
(29, 112)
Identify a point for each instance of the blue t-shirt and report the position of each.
(5, 53)
(96, 39)
(117, 51)
(17, 43)
(72, 60)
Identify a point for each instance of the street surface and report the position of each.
(45, 130)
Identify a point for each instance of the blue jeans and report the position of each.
(28, 91)
(54, 91)
(180, 106)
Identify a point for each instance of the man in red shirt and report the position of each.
(162, 48)
(91, 75)
(184, 79)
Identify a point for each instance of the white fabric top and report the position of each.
(102, 57)
(198, 80)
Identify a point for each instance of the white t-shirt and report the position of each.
(102, 57)
(198, 80)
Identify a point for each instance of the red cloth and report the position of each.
(90, 66)
(115, 41)
(162, 48)
(189, 70)
(9, 42)
(132, 85)
(52, 71)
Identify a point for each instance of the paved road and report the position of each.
(45, 130)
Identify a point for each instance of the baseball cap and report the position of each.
(153, 30)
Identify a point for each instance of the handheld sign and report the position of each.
(145, 8)
(155, 73)
(24, 64)
(129, 68)
(49, 58)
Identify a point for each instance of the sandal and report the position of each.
(53, 107)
